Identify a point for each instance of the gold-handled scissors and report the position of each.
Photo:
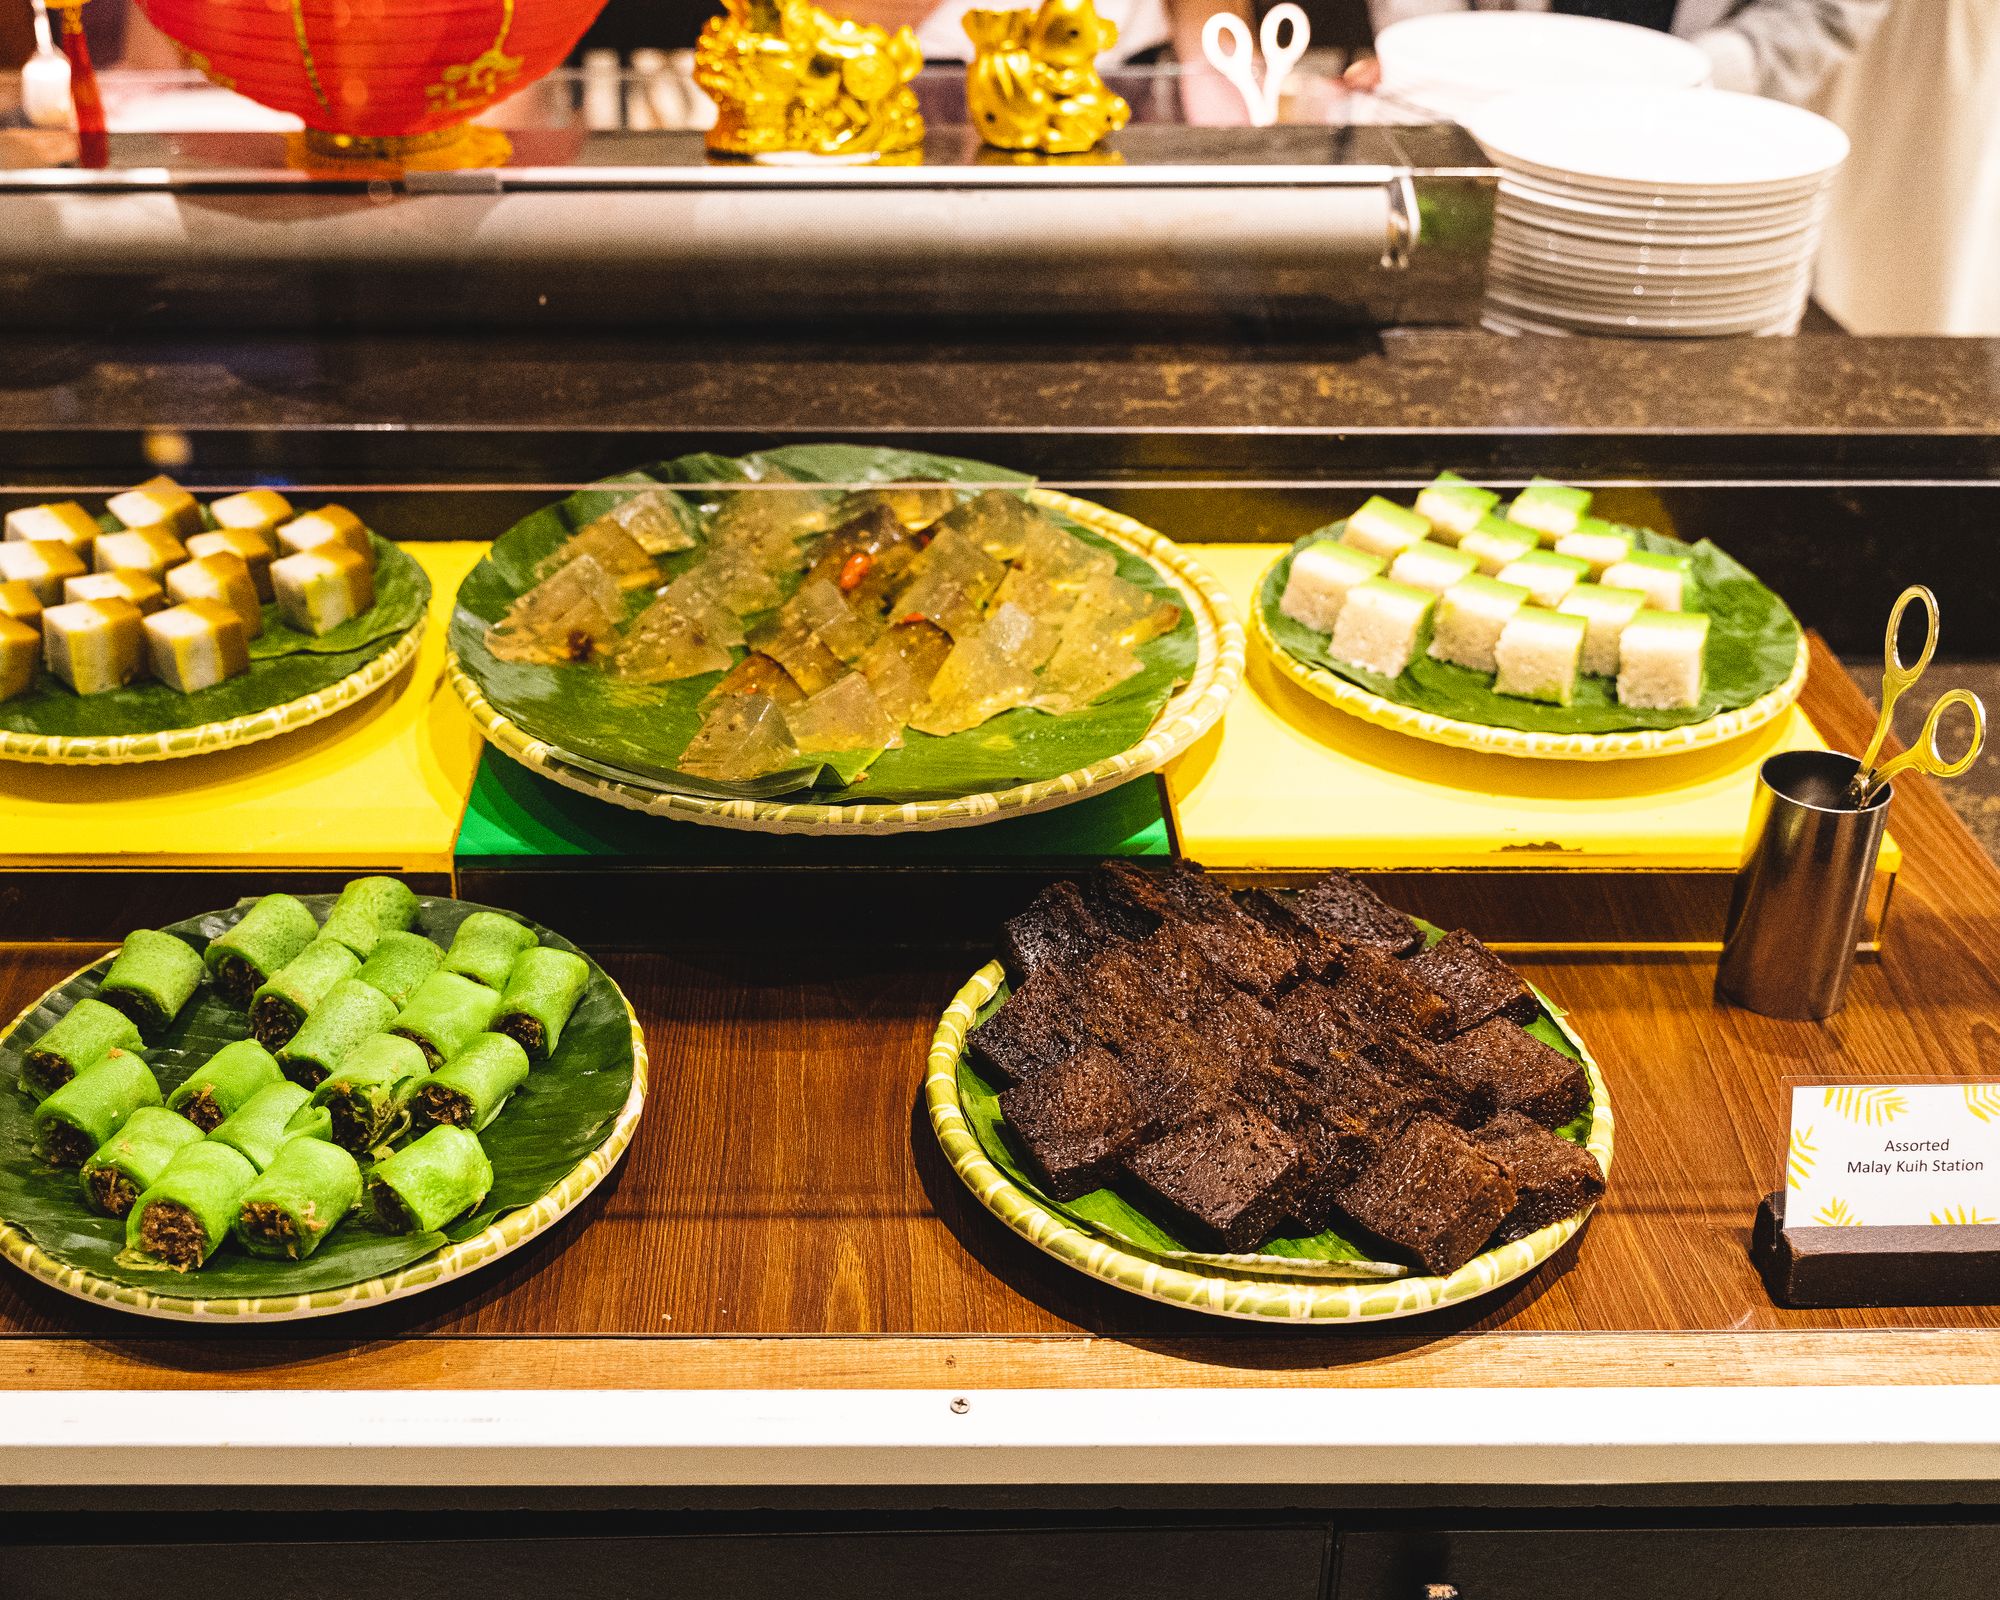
(1897, 678)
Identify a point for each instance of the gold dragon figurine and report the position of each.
(788, 78)
(1033, 83)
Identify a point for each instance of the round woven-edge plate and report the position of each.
(502, 1236)
(106, 750)
(1187, 715)
(1638, 744)
(1246, 1295)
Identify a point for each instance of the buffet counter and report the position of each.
(783, 1316)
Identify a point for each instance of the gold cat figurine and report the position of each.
(1033, 83)
(790, 78)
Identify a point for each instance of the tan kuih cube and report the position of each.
(157, 503)
(196, 645)
(254, 510)
(19, 646)
(255, 549)
(318, 590)
(147, 550)
(64, 521)
(42, 564)
(141, 590)
(20, 603)
(94, 645)
(330, 525)
(224, 578)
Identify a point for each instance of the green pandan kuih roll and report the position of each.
(427, 1183)
(184, 1215)
(132, 1159)
(77, 1118)
(367, 1097)
(266, 1122)
(367, 909)
(542, 992)
(446, 1014)
(399, 962)
(284, 1001)
(267, 936)
(225, 1083)
(85, 1033)
(485, 946)
(350, 1013)
(301, 1197)
(151, 978)
(469, 1089)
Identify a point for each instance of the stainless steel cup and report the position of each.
(1802, 892)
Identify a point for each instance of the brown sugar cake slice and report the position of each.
(1518, 1072)
(1552, 1178)
(1311, 1027)
(1434, 1194)
(1227, 1172)
(1339, 1136)
(1382, 995)
(1344, 906)
(1318, 955)
(1058, 928)
(1039, 1023)
(1476, 983)
(1075, 1119)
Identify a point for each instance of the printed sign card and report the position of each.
(1893, 1155)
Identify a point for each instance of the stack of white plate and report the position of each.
(1666, 213)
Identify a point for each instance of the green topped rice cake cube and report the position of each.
(1434, 567)
(1454, 507)
(1380, 624)
(1383, 528)
(1470, 618)
(1321, 576)
(1495, 542)
(1663, 580)
(63, 520)
(1602, 544)
(1545, 575)
(1605, 612)
(1538, 654)
(157, 503)
(1552, 509)
(1660, 660)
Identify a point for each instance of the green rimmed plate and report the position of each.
(293, 682)
(1203, 1286)
(570, 1125)
(1759, 676)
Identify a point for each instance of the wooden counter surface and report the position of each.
(784, 1182)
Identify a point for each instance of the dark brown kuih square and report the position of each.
(1227, 1172)
(1339, 1135)
(1344, 906)
(1518, 1072)
(1417, 1067)
(1552, 1178)
(1317, 955)
(1073, 1121)
(1312, 1027)
(1382, 995)
(1435, 1194)
(1058, 929)
(1477, 984)
(1038, 1025)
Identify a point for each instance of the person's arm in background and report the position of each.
(1207, 99)
(1786, 49)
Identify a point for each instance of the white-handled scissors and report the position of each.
(1282, 40)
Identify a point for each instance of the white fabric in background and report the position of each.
(1913, 241)
(1142, 26)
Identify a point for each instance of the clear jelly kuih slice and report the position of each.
(798, 650)
(1022, 638)
(819, 608)
(1036, 595)
(1063, 560)
(657, 520)
(1089, 663)
(903, 663)
(1127, 613)
(565, 617)
(730, 577)
(772, 517)
(622, 557)
(951, 581)
(846, 715)
(758, 674)
(865, 558)
(743, 737)
(976, 682)
(997, 521)
(913, 505)
(666, 644)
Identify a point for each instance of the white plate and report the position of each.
(1611, 294)
(1456, 62)
(1665, 268)
(1637, 322)
(1655, 209)
(1720, 238)
(1662, 139)
(1724, 194)
(1531, 237)
(1586, 213)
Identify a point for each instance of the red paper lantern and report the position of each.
(375, 69)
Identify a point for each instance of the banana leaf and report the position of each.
(1753, 643)
(608, 725)
(1132, 1222)
(560, 1115)
(285, 665)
